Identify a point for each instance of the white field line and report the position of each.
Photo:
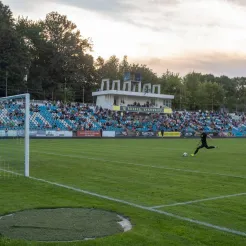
(120, 146)
(98, 149)
(108, 153)
(198, 222)
(126, 148)
(200, 200)
(104, 154)
(142, 165)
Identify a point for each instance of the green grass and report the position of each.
(144, 172)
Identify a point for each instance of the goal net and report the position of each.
(14, 135)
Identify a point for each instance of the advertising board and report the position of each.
(88, 134)
(170, 134)
(108, 134)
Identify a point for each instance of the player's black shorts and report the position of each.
(203, 145)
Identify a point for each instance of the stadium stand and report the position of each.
(72, 117)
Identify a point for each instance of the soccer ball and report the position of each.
(185, 154)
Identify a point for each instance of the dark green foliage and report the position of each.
(59, 65)
(14, 56)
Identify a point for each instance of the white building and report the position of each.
(133, 97)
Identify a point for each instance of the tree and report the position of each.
(202, 95)
(59, 66)
(207, 77)
(38, 52)
(191, 83)
(148, 76)
(14, 56)
(240, 102)
(108, 68)
(124, 67)
(172, 84)
(64, 58)
(215, 95)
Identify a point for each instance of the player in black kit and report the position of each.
(204, 143)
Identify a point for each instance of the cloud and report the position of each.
(238, 2)
(109, 7)
(159, 15)
(27, 5)
(232, 65)
(158, 32)
(134, 12)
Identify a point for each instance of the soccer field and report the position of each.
(169, 199)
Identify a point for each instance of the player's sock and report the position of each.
(196, 151)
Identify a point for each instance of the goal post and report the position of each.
(11, 113)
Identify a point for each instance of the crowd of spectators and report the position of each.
(76, 116)
(177, 121)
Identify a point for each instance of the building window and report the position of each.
(167, 103)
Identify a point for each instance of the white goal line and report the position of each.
(193, 221)
(200, 200)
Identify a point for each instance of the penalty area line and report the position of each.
(200, 200)
(198, 222)
(193, 221)
(224, 229)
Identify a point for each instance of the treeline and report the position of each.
(52, 60)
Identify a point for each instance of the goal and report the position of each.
(14, 135)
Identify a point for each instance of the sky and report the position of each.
(206, 36)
